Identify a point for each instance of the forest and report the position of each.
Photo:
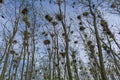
(59, 39)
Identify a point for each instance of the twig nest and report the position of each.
(82, 28)
(104, 47)
(33, 77)
(113, 5)
(25, 43)
(56, 64)
(59, 17)
(79, 17)
(48, 18)
(55, 47)
(111, 35)
(14, 41)
(15, 61)
(54, 23)
(46, 42)
(26, 35)
(52, 35)
(62, 54)
(81, 68)
(18, 58)
(108, 32)
(85, 35)
(27, 23)
(105, 27)
(92, 48)
(85, 13)
(25, 18)
(103, 23)
(108, 51)
(24, 11)
(99, 16)
(44, 33)
(59, 2)
(12, 52)
(89, 42)
(69, 40)
(15, 64)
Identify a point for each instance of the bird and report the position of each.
(2, 16)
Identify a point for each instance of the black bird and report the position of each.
(2, 16)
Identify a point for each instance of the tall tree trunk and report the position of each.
(102, 67)
(66, 44)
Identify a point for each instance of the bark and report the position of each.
(102, 66)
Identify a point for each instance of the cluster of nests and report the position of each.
(26, 37)
(103, 23)
(59, 17)
(82, 28)
(25, 12)
(91, 46)
(105, 27)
